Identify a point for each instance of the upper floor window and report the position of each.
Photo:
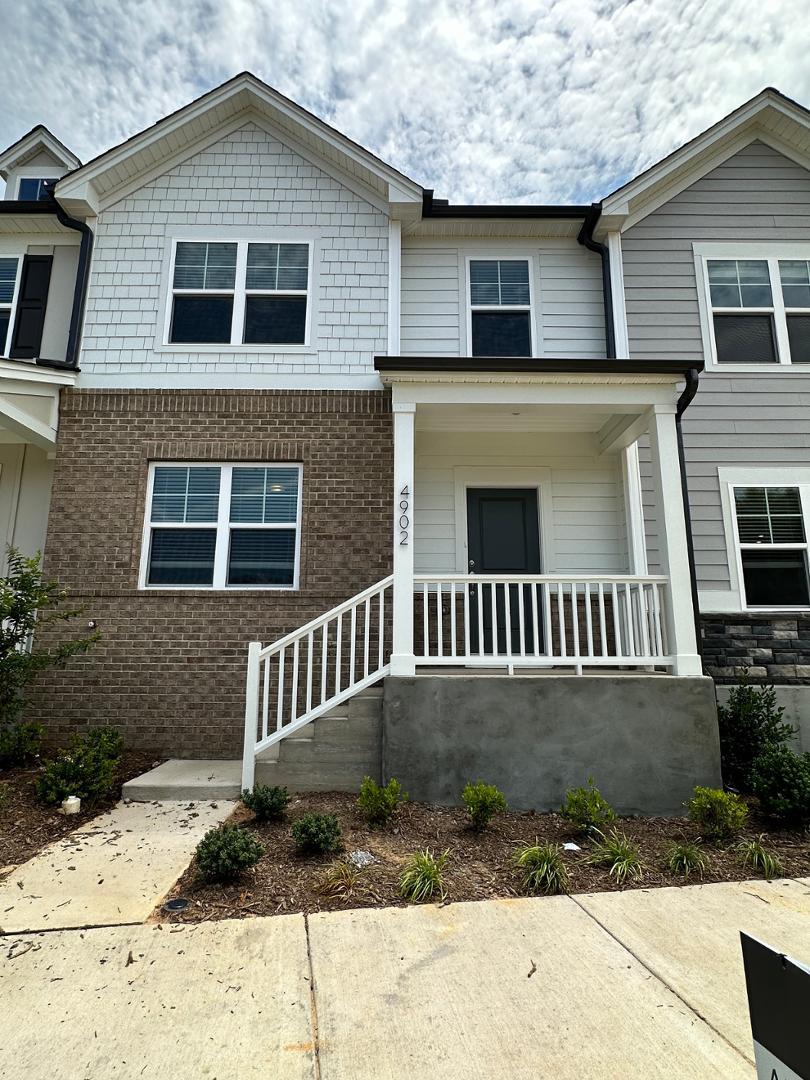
(760, 310)
(772, 546)
(33, 189)
(239, 293)
(8, 286)
(222, 526)
(500, 307)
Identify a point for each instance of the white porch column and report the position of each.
(634, 510)
(673, 541)
(402, 639)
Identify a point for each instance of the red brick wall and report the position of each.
(170, 668)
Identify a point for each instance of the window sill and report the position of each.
(235, 350)
(756, 368)
(216, 588)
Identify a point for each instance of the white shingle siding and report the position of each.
(248, 179)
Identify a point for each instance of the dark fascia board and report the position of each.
(26, 206)
(533, 365)
(460, 210)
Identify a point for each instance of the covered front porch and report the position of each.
(520, 539)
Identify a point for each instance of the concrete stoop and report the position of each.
(332, 753)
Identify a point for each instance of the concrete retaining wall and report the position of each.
(646, 740)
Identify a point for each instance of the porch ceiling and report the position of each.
(529, 417)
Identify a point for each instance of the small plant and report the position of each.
(483, 802)
(378, 804)
(423, 876)
(267, 803)
(541, 867)
(750, 723)
(342, 879)
(781, 781)
(317, 834)
(754, 855)
(686, 857)
(618, 852)
(87, 770)
(586, 807)
(719, 814)
(224, 853)
(19, 743)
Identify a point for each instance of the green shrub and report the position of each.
(781, 781)
(750, 723)
(719, 814)
(378, 804)
(318, 834)
(686, 857)
(224, 853)
(541, 867)
(754, 855)
(586, 808)
(483, 802)
(19, 743)
(618, 852)
(87, 770)
(267, 803)
(423, 877)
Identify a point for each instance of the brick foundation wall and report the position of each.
(171, 666)
(773, 649)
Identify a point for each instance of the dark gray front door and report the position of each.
(503, 537)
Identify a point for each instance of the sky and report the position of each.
(498, 101)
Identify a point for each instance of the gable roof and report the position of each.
(770, 117)
(238, 101)
(30, 144)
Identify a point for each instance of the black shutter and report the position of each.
(31, 304)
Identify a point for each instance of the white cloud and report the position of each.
(543, 101)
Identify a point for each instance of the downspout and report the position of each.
(585, 237)
(686, 398)
(71, 362)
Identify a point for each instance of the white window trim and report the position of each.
(731, 478)
(239, 293)
(222, 525)
(35, 172)
(770, 252)
(5, 347)
(517, 477)
(512, 256)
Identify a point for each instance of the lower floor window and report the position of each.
(222, 526)
(773, 546)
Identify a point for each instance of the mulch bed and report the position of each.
(479, 865)
(26, 826)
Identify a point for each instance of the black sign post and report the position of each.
(779, 1004)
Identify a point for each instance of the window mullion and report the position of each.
(238, 324)
(223, 527)
(779, 317)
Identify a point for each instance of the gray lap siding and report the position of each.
(170, 669)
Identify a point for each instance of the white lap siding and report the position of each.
(587, 507)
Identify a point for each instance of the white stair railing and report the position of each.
(541, 620)
(305, 674)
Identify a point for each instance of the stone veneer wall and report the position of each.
(772, 649)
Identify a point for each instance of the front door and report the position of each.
(503, 537)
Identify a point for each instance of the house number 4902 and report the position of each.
(404, 519)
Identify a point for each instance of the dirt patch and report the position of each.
(26, 826)
(479, 865)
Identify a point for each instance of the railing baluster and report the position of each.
(439, 630)
(628, 606)
(324, 660)
(522, 619)
(366, 630)
(294, 695)
(338, 648)
(426, 619)
(602, 622)
(561, 619)
(617, 628)
(645, 626)
(535, 619)
(265, 696)
(575, 620)
(466, 620)
(352, 644)
(381, 633)
(547, 627)
(493, 609)
(309, 670)
(282, 660)
(507, 619)
(480, 590)
(659, 644)
(453, 647)
(588, 618)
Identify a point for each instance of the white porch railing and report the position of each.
(542, 620)
(305, 674)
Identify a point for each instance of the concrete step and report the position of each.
(179, 780)
(298, 776)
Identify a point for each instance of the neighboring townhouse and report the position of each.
(425, 457)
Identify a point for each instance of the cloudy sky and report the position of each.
(520, 100)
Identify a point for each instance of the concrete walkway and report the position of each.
(112, 870)
(637, 984)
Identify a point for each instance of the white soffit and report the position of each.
(178, 135)
(769, 117)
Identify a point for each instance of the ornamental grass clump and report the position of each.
(267, 803)
(720, 815)
(317, 834)
(342, 880)
(223, 854)
(686, 857)
(754, 856)
(379, 804)
(621, 856)
(541, 868)
(423, 877)
(587, 808)
(482, 802)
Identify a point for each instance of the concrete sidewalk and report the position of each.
(635, 984)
